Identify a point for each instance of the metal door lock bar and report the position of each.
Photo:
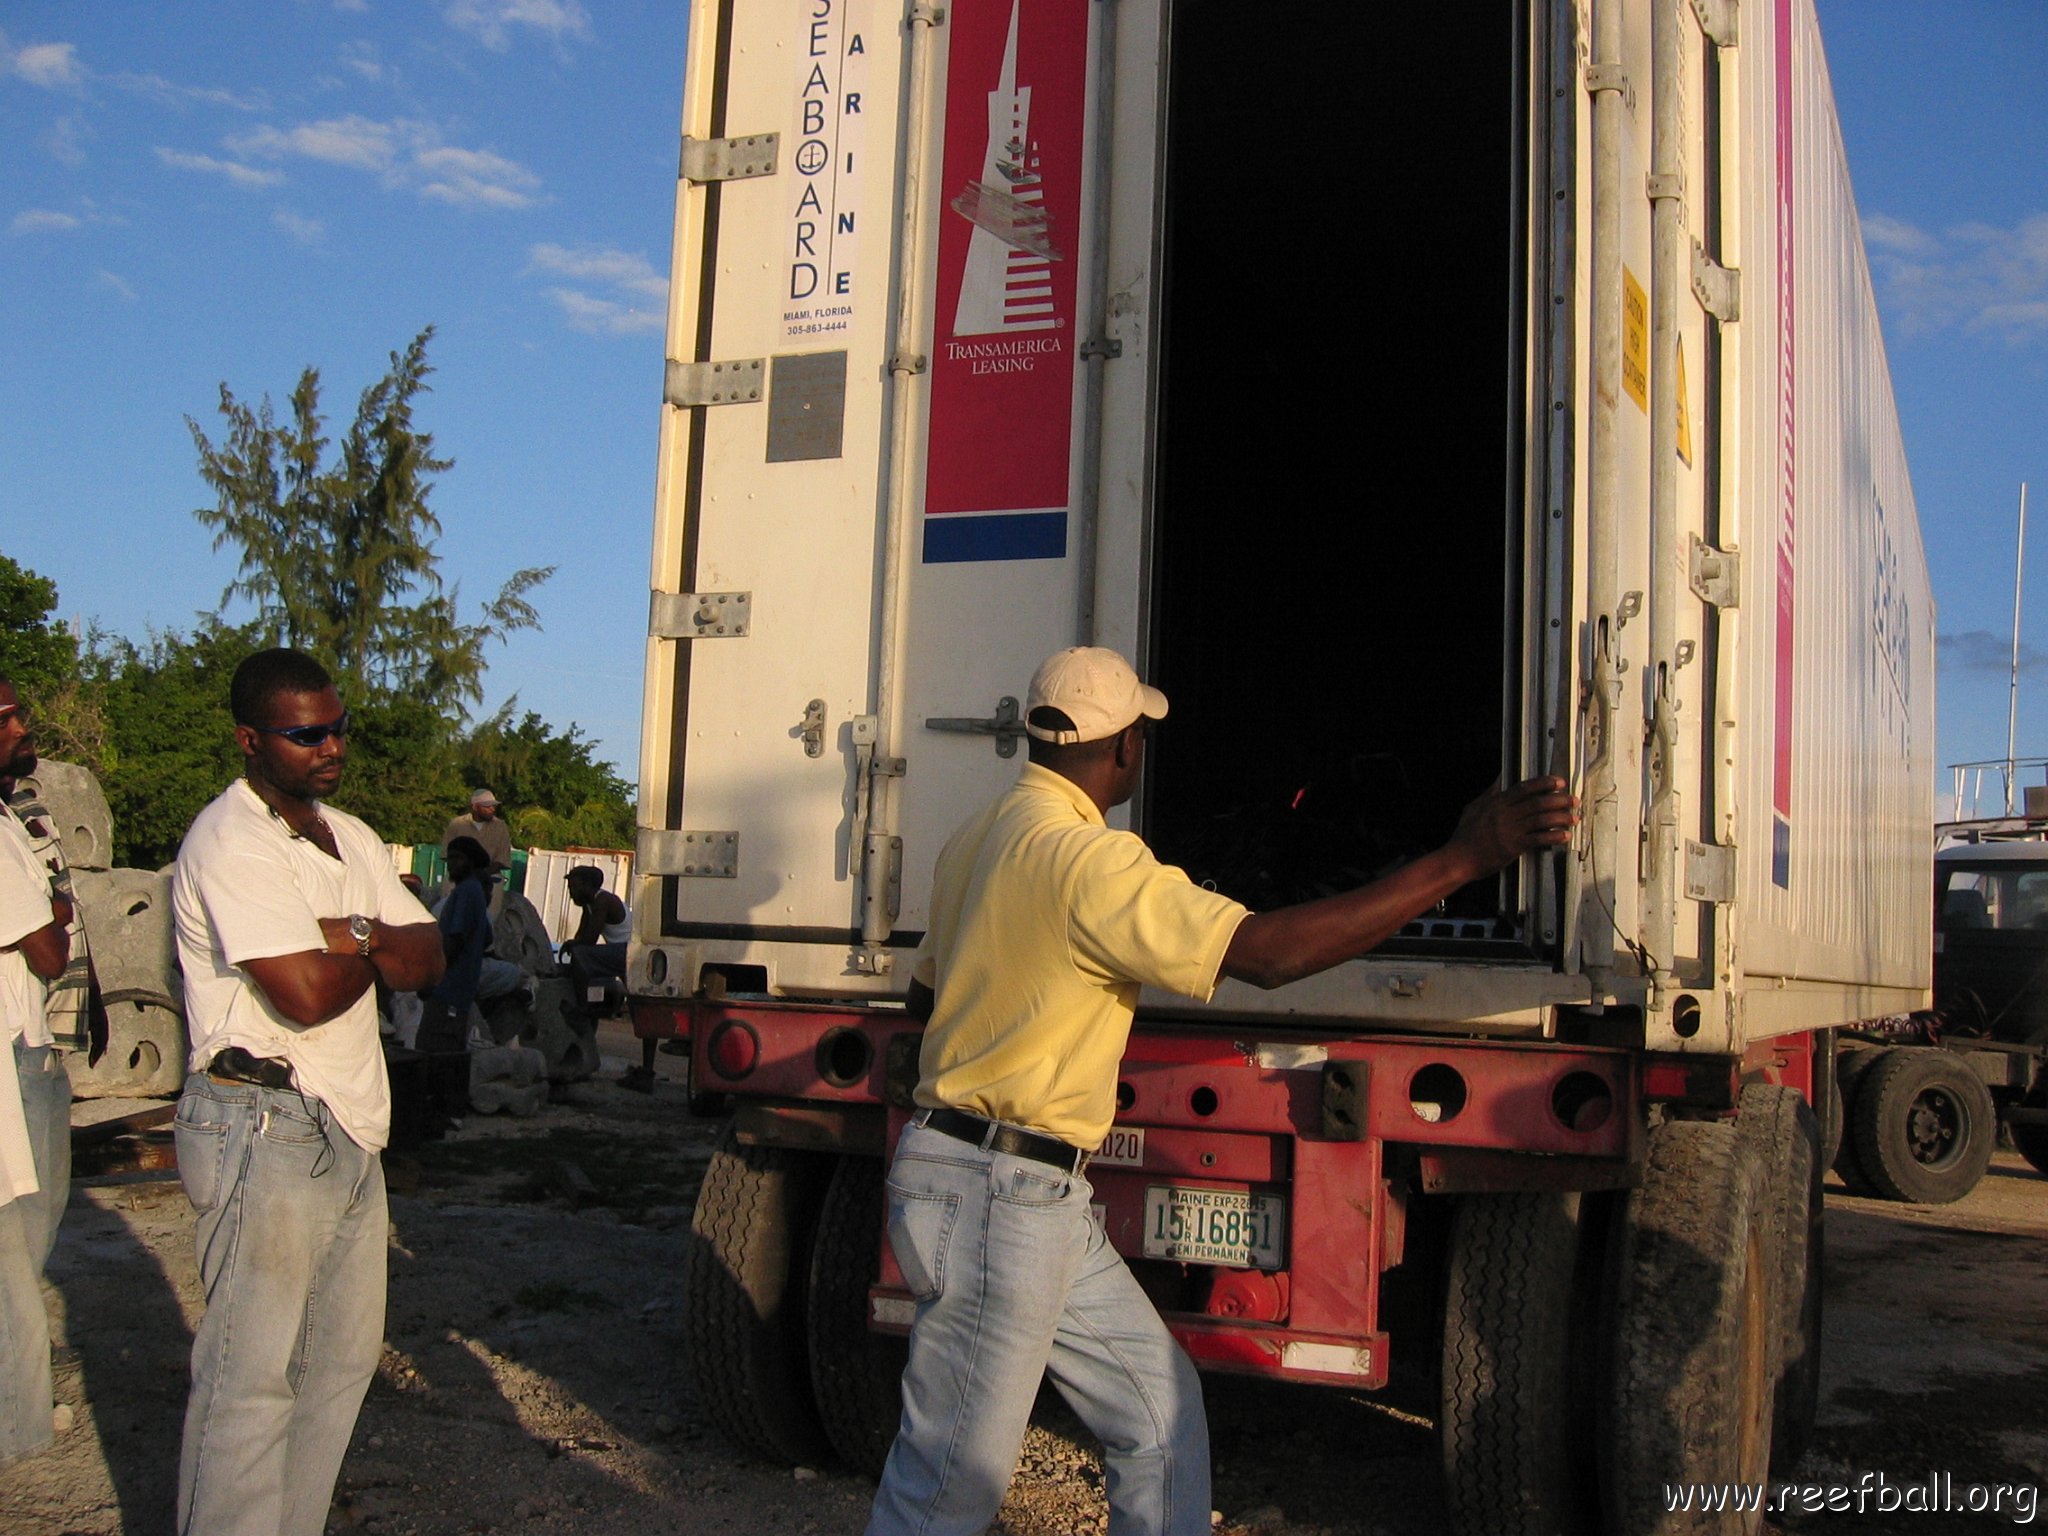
(1006, 725)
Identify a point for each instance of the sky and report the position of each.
(228, 191)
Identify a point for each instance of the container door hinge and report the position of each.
(1720, 20)
(1718, 288)
(1715, 574)
(909, 362)
(1102, 346)
(923, 14)
(1609, 77)
(737, 381)
(729, 159)
(698, 854)
(814, 728)
(1709, 872)
(1006, 725)
(699, 615)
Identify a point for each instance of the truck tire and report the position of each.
(856, 1374)
(1507, 1426)
(1690, 1389)
(1784, 1138)
(1924, 1126)
(1851, 1064)
(744, 1274)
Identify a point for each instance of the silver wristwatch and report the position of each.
(360, 928)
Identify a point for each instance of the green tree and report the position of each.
(171, 741)
(43, 660)
(557, 793)
(338, 557)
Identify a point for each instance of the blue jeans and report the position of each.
(25, 1396)
(46, 1102)
(1014, 1281)
(291, 1238)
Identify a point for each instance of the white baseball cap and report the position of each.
(1094, 688)
(483, 797)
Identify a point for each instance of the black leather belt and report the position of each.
(238, 1066)
(994, 1136)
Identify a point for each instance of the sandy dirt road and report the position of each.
(530, 1388)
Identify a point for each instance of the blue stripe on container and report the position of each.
(1781, 853)
(956, 536)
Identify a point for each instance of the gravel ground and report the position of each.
(529, 1385)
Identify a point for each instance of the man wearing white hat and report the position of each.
(1045, 923)
(485, 825)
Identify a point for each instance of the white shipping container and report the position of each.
(1411, 405)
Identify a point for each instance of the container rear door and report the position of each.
(872, 513)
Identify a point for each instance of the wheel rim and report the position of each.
(1935, 1128)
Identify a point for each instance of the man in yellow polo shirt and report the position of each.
(1045, 923)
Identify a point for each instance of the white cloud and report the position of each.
(241, 175)
(362, 57)
(1977, 278)
(116, 284)
(620, 292)
(171, 94)
(42, 221)
(357, 142)
(304, 230)
(404, 153)
(65, 140)
(475, 178)
(53, 66)
(493, 20)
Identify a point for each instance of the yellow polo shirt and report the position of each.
(1044, 925)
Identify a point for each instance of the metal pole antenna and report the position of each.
(2012, 700)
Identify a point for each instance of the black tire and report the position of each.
(1507, 1423)
(1924, 1126)
(2031, 1141)
(1852, 1063)
(745, 1274)
(1690, 1386)
(1781, 1129)
(856, 1374)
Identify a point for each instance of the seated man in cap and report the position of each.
(1044, 924)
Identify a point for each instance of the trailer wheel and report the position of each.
(744, 1273)
(1923, 1125)
(856, 1374)
(1690, 1393)
(1784, 1138)
(1851, 1065)
(1507, 1428)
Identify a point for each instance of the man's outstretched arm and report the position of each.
(1271, 949)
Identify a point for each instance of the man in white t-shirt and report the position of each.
(288, 912)
(33, 950)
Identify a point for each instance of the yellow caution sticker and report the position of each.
(1635, 340)
(1684, 411)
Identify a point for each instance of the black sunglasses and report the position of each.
(306, 735)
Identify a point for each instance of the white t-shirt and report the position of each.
(247, 889)
(24, 907)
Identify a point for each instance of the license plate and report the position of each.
(1215, 1226)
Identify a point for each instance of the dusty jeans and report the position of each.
(291, 1236)
(1015, 1281)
